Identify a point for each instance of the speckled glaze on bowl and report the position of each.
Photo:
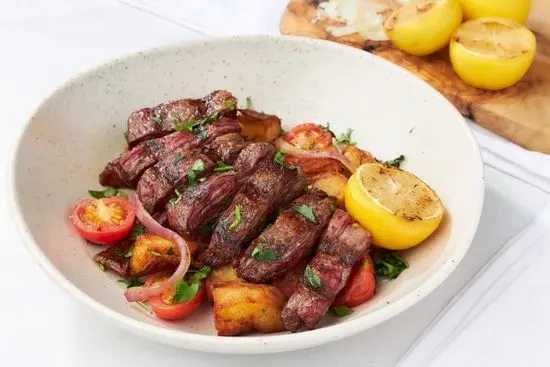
(79, 128)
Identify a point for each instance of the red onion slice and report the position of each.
(143, 293)
(290, 149)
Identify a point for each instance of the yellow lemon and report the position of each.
(492, 53)
(398, 208)
(422, 27)
(517, 10)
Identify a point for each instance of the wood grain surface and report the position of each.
(520, 113)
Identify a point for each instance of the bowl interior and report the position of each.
(80, 128)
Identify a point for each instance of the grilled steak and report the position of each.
(157, 184)
(150, 123)
(227, 147)
(291, 238)
(115, 258)
(342, 244)
(125, 170)
(252, 157)
(267, 189)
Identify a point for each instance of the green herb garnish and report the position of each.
(179, 158)
(131, 282)
(129, 253)
(191, 177)
(126, 136)
(107, 193)
(345, 138)
(223, 167)
(144, 305)
(229, 104)
(155, 253)
(263, 254)
(279, 158)
(312, 278)
(306, 211)
(198, 166)
(176, 200)
(101, 266)
(170, 251)
(192, 123)
(394, 162)
(248, 103)
(157, 118)
(326, 127)
(186, 291)
(341, 311)
(137, 230)
(389, 264)
(238, 218)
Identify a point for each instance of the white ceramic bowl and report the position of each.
(79, 128)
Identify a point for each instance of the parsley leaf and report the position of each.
(306, 211)
(229, 104)
(326, 127)
(201, 273)
(223, 167)
(198, 166)
(279, 158)
(157, 118)
(131, 282)
(137, 230)
(389, 264)
(129, 254)
(100, 266)
(191, 177)
(179, 158)
(126, 136)
(186, 291)
(192, 123)
(394, 162)
(312, 278)
(248, 102)
(238, 218)
(107, 193)
(345, 138)
(176, 200)
(341, 311)
(263, 254)
(170, 251)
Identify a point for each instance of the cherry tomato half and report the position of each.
(165, 309)
(360, 287)
(309, 136)
(104, 221)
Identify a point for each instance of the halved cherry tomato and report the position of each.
(104, 221)
(309, 136)
(165, 309)
(360, 287)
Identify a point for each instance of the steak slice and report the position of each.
(115, 258)
(158, 183)
(341, 246)
(125, 170)
(201, 206)
(227, 147)
(258, 199)
(291, 238)
(149, 123)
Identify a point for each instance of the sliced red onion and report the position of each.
(143, 293)
(290, 149)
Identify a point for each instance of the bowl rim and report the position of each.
(256, 344)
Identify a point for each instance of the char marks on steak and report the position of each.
(227, 147)
(157, 184)
(125, 170)
(290, 238)
(201, 206)
(342, 244)
(270, 187)
(115, 259)
(149, 123)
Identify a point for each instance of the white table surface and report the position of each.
(44, 43)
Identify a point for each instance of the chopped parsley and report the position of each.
(263, 254)
(170, 251)
(312, 278)
(137, 230)
(179, 158)
(100, 266)
(326, 127)
(306, 211)
(187, 290)
(345, 138)
(155, 253)
(389, 264)
(248, 102)
(176, 200)
(129, 253)
(279, 158)
(341, 311)
(126, 136)
(192, 123)
(394, 162)
(230, 104)
(238, 218)
(202, 179)
(107, 193)
(133, 282)
(144, 305)
(198, 166)
(223, 167)
(157, 118)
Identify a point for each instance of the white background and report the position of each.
(45, 42)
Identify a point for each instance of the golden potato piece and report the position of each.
(334, 184)
(224, 274)
(242, 308)
(357, 156)
(259, 126)
(152, 253)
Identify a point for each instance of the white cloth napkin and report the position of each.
(512, 290)
(228, 17)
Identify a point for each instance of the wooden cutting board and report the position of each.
(520, 113)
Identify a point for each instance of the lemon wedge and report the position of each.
(517, 10)
(398, 208)
(422, 27)
(492, 53)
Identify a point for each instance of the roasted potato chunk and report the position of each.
(312, 168)
(241, 308)
(357, 156)
(259, 126)
(224, 274)
(334, 184)
(152, 253)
